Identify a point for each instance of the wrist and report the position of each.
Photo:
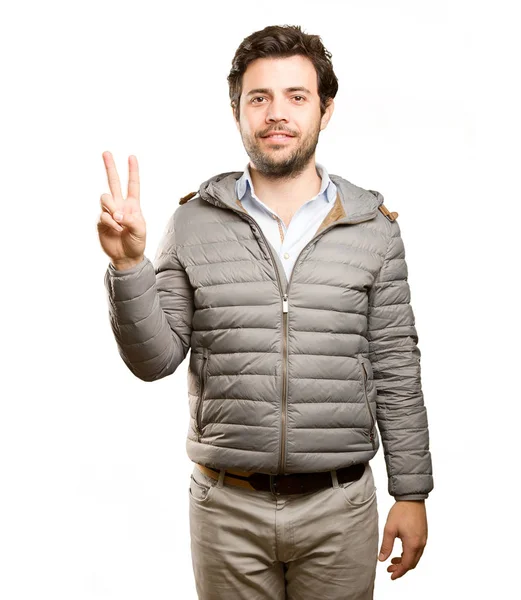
(127, 263)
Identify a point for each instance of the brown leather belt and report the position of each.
(292, 483)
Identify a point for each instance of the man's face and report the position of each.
(269, 104)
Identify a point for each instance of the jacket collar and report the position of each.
(327, 187)
(353, 204)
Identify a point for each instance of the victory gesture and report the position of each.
(121, 226)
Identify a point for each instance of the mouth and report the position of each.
(278, 137)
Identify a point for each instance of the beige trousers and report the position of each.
(254, 545)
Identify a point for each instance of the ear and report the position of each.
(234, 118)
(328, 114)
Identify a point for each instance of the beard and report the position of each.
(279, 162)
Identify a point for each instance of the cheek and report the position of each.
(254, 119)
(249, 127)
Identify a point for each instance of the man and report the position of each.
(290, 287)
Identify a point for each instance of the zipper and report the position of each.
(202, 382)
(371, 431)
(285, 311)
(285, 308)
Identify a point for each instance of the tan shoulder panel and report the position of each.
(390, 215)
(187, 197)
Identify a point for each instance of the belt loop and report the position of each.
(334, 478)
(220, 481)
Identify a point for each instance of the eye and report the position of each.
(301, 97)
(256, 98)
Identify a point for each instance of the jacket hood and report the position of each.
(358, 203)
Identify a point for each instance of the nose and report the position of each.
(277, 110)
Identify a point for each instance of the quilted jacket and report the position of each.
(283, 377)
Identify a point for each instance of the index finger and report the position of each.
(112, 176)
(133, 178)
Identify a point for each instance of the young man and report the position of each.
(290, 287)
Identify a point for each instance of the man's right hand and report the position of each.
(122, 239)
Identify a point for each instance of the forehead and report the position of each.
(279, 74)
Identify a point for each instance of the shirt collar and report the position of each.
(326, 186)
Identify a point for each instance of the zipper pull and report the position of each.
(365, 371)
(285, 303)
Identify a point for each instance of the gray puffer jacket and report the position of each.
(283, 377)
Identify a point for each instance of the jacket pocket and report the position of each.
(203, 371)
(365, 379)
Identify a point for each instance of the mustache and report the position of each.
(271, 131)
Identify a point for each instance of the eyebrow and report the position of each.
(270, 91)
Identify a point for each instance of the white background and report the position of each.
(93, 470)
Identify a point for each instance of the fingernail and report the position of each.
(118, 216)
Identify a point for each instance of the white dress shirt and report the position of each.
(303, 225)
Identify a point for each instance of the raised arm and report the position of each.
(150, 305)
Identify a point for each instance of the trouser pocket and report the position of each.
(360, 492)
(201, 486)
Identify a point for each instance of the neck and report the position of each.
(286, 194)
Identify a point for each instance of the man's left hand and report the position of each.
(407, 520)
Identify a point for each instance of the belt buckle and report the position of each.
(290, 484)
(274, 485)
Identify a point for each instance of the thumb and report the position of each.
(387, 545)
(126, 219)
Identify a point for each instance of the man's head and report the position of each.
(281, 80)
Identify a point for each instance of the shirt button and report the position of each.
(286, 255)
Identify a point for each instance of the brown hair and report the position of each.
(282, 41)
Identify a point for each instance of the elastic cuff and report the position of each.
(411, 497)
(135, 269)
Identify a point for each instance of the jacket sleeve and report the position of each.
(395, 357)
(150, 311)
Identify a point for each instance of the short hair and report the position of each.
(282, 41)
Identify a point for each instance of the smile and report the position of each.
(279, 137)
